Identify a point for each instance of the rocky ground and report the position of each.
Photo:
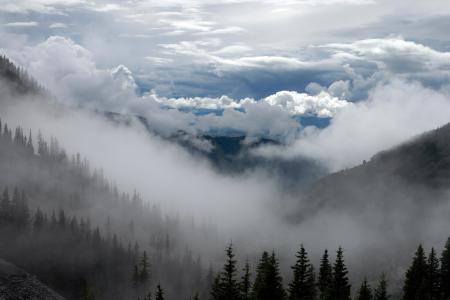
(16, 284)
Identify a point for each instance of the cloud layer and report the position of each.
(395, 112)
(70, 71)
(244, 49)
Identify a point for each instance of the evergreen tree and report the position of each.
(445, 271)
(325, 276)
(227, 288)
(268, 283)
(245, 284)
(144, 273)
(433, 280)
(38, 221)
(381, 290)
(30, 146)
(415, 282)
(302, 286)
(23, 211)
(159, 295)
(364, 293)
(259, 285)
(5, 207)
(229, 283)
(340, 287)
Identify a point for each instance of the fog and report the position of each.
(250, 209)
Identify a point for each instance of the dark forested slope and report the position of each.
(416, 172)
(64, 222)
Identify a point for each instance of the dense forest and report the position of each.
(76, 231)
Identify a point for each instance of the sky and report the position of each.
(255, 67)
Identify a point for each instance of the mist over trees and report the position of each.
(64, 221)
(71, 227)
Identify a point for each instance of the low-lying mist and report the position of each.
(249, 209)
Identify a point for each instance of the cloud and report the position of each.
(395, 54)
(22, 24)
(40, 6)
(158, 60)
(321, 105)
(294, 103)
(251, 56)
(70, 72)
(395, 111)
(57, 25)
(225, 30)
(348, 71)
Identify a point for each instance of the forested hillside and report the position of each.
(17, 80)
(71, 227)
(417, 171)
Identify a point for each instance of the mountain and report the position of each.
(16, 284)
(234, 154)
(417, 171)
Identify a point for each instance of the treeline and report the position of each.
(428, 278)
(18, 79)
(66, 252)
(70, 254)
(58, 189)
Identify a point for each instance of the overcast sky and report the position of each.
(258, 65)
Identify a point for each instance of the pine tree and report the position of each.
(268, 283)
(275, 281)
(445, 271)
(23, 211)
(433, 280)
(340, 287)
(38, 221)
(302, 286)
(228, 287)
(144, 273)
(415, 281)
(325, 276)
(381, 290)
(364, 293)
(15, 203)
(159, 295)
(30, 146)
(245, 284)
(5, 207)
(259, 285)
